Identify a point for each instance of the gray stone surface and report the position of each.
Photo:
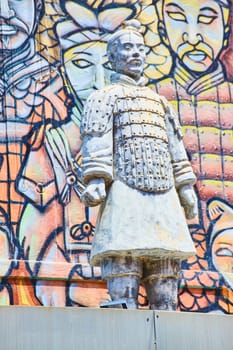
(135, 164)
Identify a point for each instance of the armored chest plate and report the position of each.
(142, 157)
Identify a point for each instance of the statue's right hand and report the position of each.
(94, 193)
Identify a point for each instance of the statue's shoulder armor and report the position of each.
(97, 113)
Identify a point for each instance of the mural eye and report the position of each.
(87, 227)
(177, 16)
(224, 252)
(206, 19)
(81, 231)
(81, 63)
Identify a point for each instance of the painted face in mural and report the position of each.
(130, 55)
(195, 31)
(17, 21)
(222, 254)
(87, 67)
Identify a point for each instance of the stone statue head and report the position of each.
(126, 50)
(18, 20)
(195, 31)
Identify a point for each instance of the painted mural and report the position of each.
(52, 56)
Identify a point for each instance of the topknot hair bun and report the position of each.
(132, 24)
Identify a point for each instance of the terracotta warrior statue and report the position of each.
(135, 164)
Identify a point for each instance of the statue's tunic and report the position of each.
(131, 141)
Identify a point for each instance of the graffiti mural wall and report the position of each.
(52, 57)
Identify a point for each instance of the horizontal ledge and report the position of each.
(40, 270)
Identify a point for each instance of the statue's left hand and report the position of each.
(95, 193)
(188, 200)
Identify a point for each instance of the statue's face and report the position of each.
(222, 255)
(130, 55)
(86, 67)
(17, 19)
(195, 31)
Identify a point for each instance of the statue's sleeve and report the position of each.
(182, 170)
(97, 136)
